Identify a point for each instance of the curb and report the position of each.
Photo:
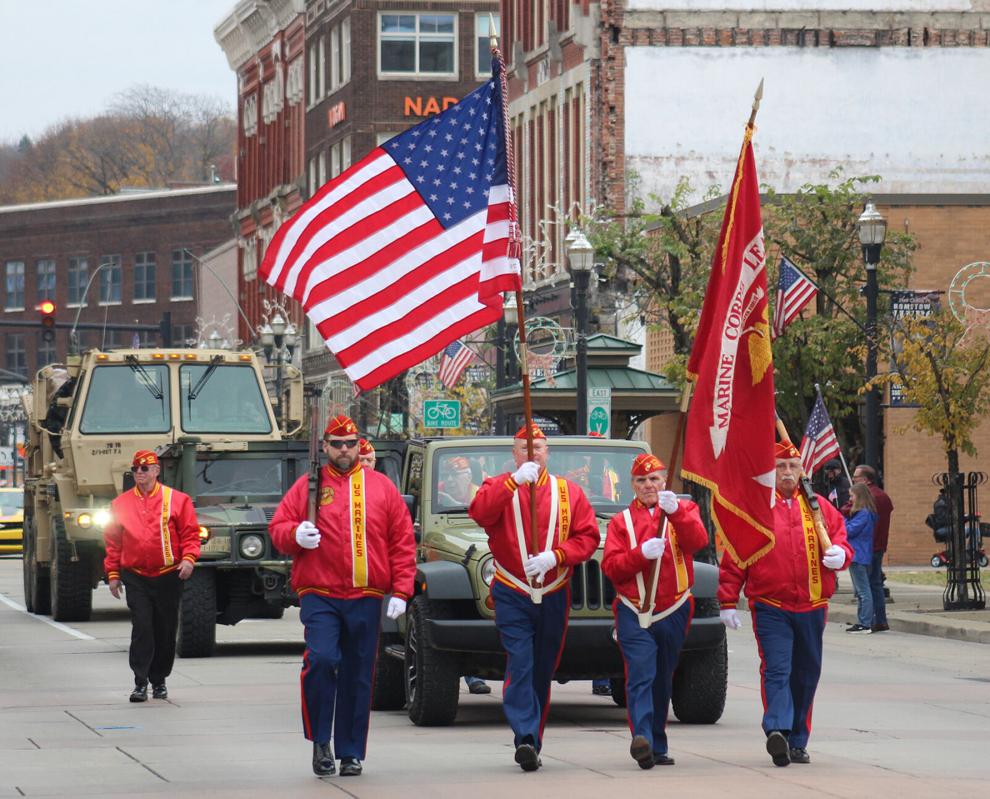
(938, 626)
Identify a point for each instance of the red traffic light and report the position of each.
(47, 307)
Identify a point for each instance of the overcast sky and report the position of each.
(66, 58)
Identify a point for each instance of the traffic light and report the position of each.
(47, 308)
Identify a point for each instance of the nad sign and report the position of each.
(445, 414)
(599, 411)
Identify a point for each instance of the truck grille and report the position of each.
(590, 588)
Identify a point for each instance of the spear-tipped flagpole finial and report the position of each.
(756, 103)
(491, 29)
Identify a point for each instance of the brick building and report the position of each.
(149, 242)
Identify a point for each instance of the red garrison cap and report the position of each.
(145, 457)
(340, 425)
(646, 464)
(537, 433)
(786, 450)
(459, 464)
(365, 448)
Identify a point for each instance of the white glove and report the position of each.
(835, 557)
(307, 536)
(653, 548)
(730, 618)
(538, 565)
(668, 502)
(527, 473)
(396, 607)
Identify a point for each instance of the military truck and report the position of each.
(449, 629)
(208, 415)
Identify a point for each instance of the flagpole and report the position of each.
(515, 251)
(842, 458)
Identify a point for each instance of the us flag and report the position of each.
(794, 291)
(456, 358)
(410, 248)
(819, 442)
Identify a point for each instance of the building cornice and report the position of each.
(251, 25)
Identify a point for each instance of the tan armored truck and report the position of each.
(208, 415)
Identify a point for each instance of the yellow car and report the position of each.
(11, 520)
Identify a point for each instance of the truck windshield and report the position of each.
(232, 480)
(122, 399)
(601, 471)
(229, 401)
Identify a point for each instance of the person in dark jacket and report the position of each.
(836, 484)
(859, 531)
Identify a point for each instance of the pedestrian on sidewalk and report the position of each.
(859, 529)
(867, 474)
(151, 544)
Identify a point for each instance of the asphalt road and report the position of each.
(897, 714)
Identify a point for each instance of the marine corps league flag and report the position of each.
(730, 427)
(412, 247)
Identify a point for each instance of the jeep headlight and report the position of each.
(101, 518)
(252, 546)
(84, 520)
(488, 571)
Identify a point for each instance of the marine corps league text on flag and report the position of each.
(819, 442)
(730, 427)
(794, 291)
(456, 358)
(407, 250)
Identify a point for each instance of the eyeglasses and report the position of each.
(342, 443)
(137, 469)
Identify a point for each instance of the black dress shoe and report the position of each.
(323, 765)
(777, 748)
(159, 691)
(641, 751)
(350, 767)
(800, 755)
(880, 628)
(663, 760)
(140, 693)
(527, 758)
(479, 687)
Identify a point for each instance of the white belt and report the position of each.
(647, 619)
(536, 594)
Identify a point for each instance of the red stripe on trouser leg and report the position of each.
(307, 726)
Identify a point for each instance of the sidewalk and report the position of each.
(917, 609)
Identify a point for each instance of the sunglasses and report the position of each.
(342, 443)
(137, 469)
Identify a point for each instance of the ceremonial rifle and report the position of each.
(314, 458)
(804, 486)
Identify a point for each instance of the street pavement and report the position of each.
(896, 713)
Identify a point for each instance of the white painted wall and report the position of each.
(918, 118)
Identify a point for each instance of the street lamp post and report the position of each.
(278, 339)
(581, 255)
(872, 232)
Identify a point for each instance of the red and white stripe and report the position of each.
(816, 451)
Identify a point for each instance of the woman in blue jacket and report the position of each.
(859, 529)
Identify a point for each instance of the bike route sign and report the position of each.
(599, 410)
(442, 413)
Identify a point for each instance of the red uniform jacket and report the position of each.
(347, 565)
(782, 577)
(151, 534)
(492, 509)
(621, 564)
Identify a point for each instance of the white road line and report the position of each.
(65, 628)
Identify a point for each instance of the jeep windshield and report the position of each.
(232, 480)
(222, 398)
(601, 471)
(127, 399)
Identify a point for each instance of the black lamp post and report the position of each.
(581, 256)
(278, 339)
(872, 232)
(505, 354)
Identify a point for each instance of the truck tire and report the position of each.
(389, 691)
(618, 686)
(198, 615)
(431, 678)
(700, 685)
(71, 592)
(37, 598)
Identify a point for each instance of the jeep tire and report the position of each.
(69, 580)
(618, 687)
(197, 636)
(700, 685)
(389, 690)
(37, 597)
(432, 679)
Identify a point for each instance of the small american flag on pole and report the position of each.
(410, 248)
(456, 358)
(794, 291)
(819, 443)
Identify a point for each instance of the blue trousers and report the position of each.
(533, 638)
(790, 646)
(876, 588)
(859, 573)
(651, 656)
(338, 669)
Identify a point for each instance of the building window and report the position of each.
(250, 121)
(184, 336)
(321, 69)
(110, 280)
(340, 156)
(46, 351)
(483, 40)
(46, 280)
(15, 286)
(182, 275)
(381, 138)
(321, 170)
(423, 44)
(144, 277)
(340, 54)
(144, 339)
(16, 354)
(78, 276)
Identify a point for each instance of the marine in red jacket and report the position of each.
(788, 591)
(531, 589)
(360, 549)
(151, 544)
(653, 540)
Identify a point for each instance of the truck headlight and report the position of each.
(488, 571)
(252, 546)
(84, 520)
(101, 518)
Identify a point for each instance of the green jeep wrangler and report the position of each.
(449, 628)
